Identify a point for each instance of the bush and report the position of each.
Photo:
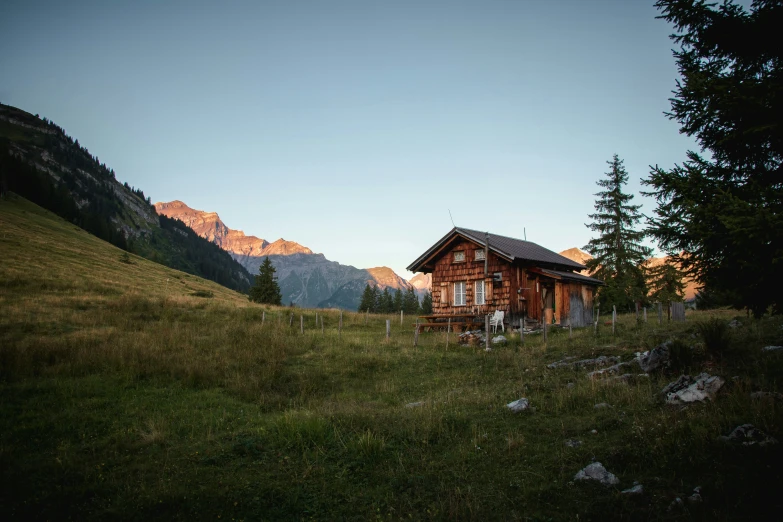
(715, 334)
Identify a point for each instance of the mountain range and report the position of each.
(306, 279)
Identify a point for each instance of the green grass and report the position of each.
(128, 398)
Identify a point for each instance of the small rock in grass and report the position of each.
(676, 504)
(594, 432)
(598, 362)
(766, 395)
(518, 405)
(771, 348)
(655, 359)
(696, 497)
(596, 471)
(635, 490)
(499, 340)
(601, 406)
(734, 324)
(573, 443)
(415, 404)
(749, 435)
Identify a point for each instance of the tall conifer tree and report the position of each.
(618, 253)
(720, 215)
(266, 290)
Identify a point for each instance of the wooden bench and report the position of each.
(454, 325)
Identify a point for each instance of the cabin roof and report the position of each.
(572, 276)
(510, 248)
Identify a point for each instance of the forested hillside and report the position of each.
(39, 161)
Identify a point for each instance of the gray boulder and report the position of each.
(655, 359)
(499, 340)
(518, 405)
(772, 348)
(749, 435)
(637, 489)
(688, 389)
(597, 472)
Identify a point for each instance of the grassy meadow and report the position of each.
(131, 391)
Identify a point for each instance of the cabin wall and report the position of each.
(447, 272)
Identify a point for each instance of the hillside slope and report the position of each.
(39, 161)
(42, 253)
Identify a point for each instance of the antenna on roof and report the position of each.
(524, 232)
(452, 219)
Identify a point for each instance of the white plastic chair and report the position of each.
(497, 320)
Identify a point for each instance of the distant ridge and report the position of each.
(306, 279)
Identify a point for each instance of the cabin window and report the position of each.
(479, 293)
(459, 293)
(480, 255)
(497, 277)
(459, 256)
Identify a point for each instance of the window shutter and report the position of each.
(445, 300)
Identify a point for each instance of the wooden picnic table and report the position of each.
(467, 321)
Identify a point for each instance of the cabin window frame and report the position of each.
(457, 294)
(480, 254)
(480, 297)
(459, 254)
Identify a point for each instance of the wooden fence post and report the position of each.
(486, 331)
(291, 321)
(448, 332)
(263, 318)
(401, 317)
(614, 317)
(388, 329)
(416, 335)
(522, 330)
(645, 314)
(597, 318)
(301, 324)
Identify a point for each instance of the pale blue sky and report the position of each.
(352, 127)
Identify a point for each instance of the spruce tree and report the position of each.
(618, 253)
(386, 302)
(410, 302)
(266, 290)
(665, 282)
(368, 299)
(720, 215)
(397, 302)
(426, 303)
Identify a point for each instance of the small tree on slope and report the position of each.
(266, 290)
(617, 251)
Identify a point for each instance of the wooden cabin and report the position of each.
(477, 273)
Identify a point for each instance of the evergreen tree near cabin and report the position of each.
(266, 290)
(618, 253)
(426, 303)
(720, 217)
(665, 282)
(397, 302)
(410, 303)
(368, 299)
